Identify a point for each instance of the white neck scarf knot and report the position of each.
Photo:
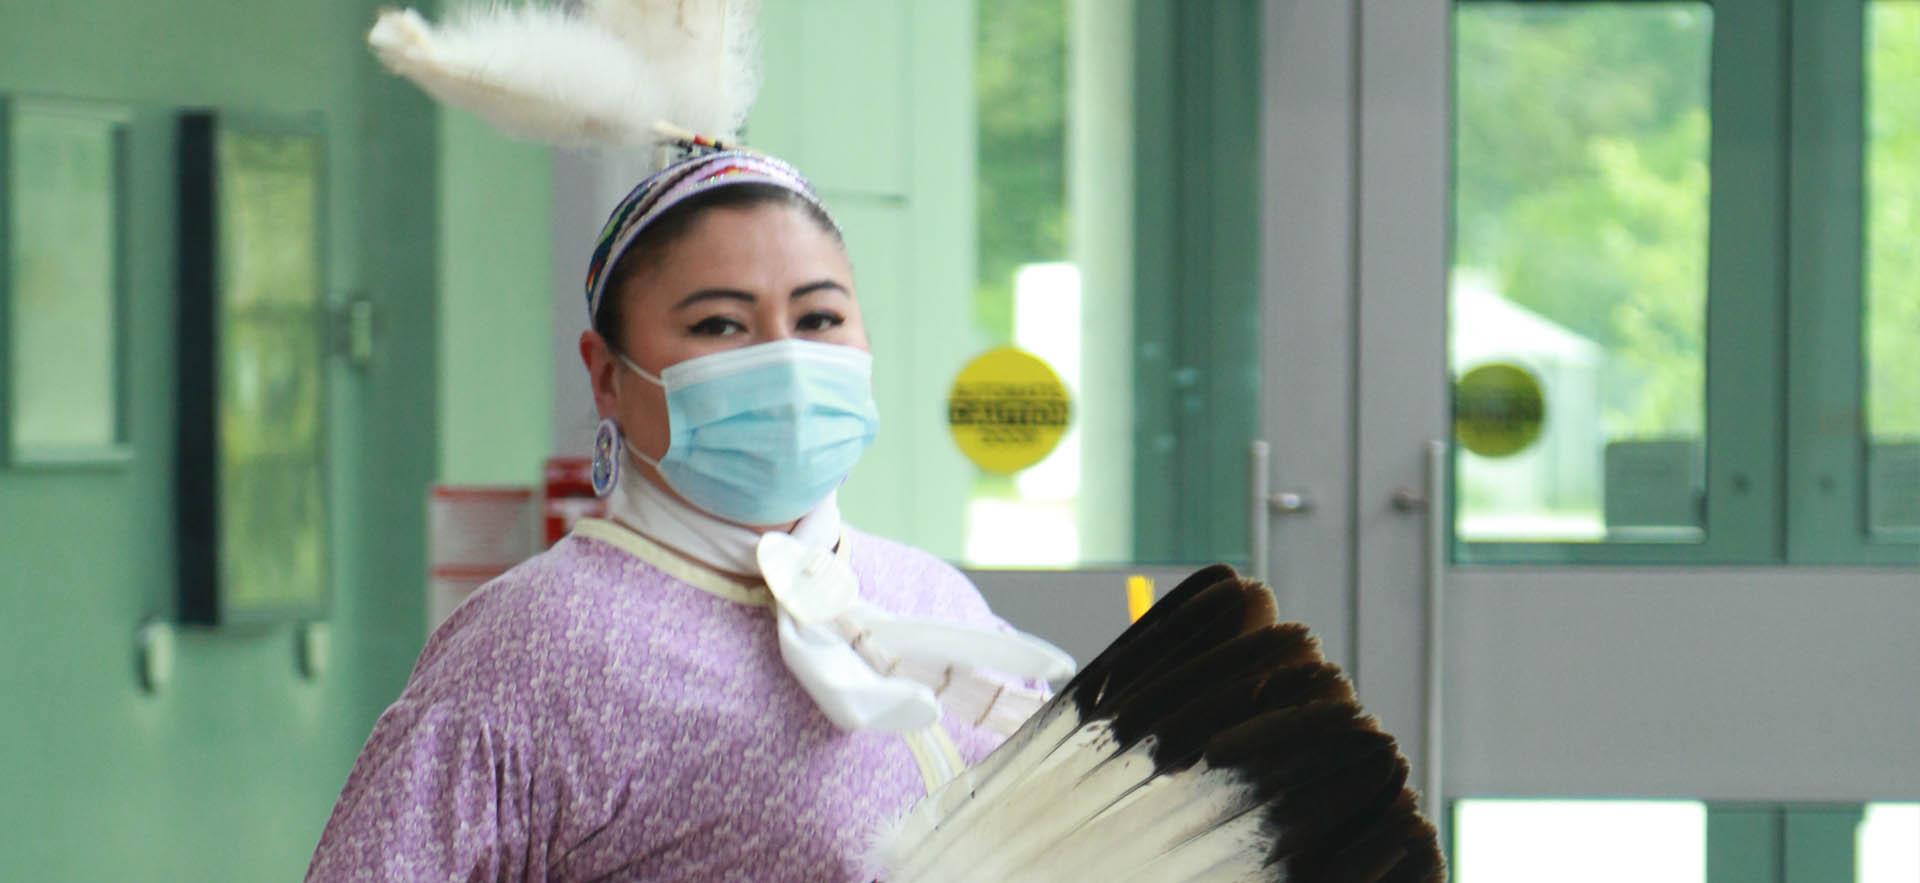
(865, 668)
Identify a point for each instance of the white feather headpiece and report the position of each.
(595, 73)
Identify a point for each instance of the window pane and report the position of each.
(1028, 293)
(1579, 280)
(271, 382)
(1579, 841)
(64, 364)
(1887, 849)
(1053, 221)
(1892, 320)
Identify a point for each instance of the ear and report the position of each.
(602, 370)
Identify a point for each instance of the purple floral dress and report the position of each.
(595, 715)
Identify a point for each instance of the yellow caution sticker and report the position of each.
(1007, 410)
(1499, 409)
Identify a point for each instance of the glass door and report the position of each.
(1611, 256)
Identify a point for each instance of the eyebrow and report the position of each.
(819, 285)
(706, 294)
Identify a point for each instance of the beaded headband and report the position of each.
(705, 165)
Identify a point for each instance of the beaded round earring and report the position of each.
(607, 442)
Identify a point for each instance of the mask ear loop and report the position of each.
(619, 438)
(633, 366)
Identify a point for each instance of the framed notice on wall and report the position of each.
(252, 348)
(62, 282)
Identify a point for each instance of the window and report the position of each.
(1579, 283)
(1099, 177)
(1684, 315)
(1891, 316)
(1028, 290)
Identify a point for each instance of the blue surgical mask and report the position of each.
(762, 434)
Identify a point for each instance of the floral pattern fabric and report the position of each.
(589, 717)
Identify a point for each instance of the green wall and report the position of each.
(229, 774)
(496, 312)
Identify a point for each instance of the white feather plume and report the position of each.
(609, 74)
(705, 52)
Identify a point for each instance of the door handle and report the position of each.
(1290, 503)
(1262, 505)
(1408, 501)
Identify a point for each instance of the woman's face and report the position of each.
(738, 277)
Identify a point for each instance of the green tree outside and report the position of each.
(1893, 221)
(1581, 187)
(1020, 71)
(1582, 184)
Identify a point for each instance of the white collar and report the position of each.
(655, 514)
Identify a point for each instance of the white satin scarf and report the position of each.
(864, 667)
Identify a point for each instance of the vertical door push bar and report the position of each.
(1431, 502)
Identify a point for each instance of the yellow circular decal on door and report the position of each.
(1499, 410)
(1007, 410)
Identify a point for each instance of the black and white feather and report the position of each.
(1207, 743)
(592, 73)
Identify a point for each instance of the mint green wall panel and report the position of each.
(390, 432)
(496, 317)
(230, 773)
(841, 114)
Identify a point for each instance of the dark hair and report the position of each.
(650, 247)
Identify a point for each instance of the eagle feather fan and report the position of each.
(1207, 743)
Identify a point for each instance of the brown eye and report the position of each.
(716, 326)
(821, 321)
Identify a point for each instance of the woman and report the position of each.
(637, 703)
(720, 680)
